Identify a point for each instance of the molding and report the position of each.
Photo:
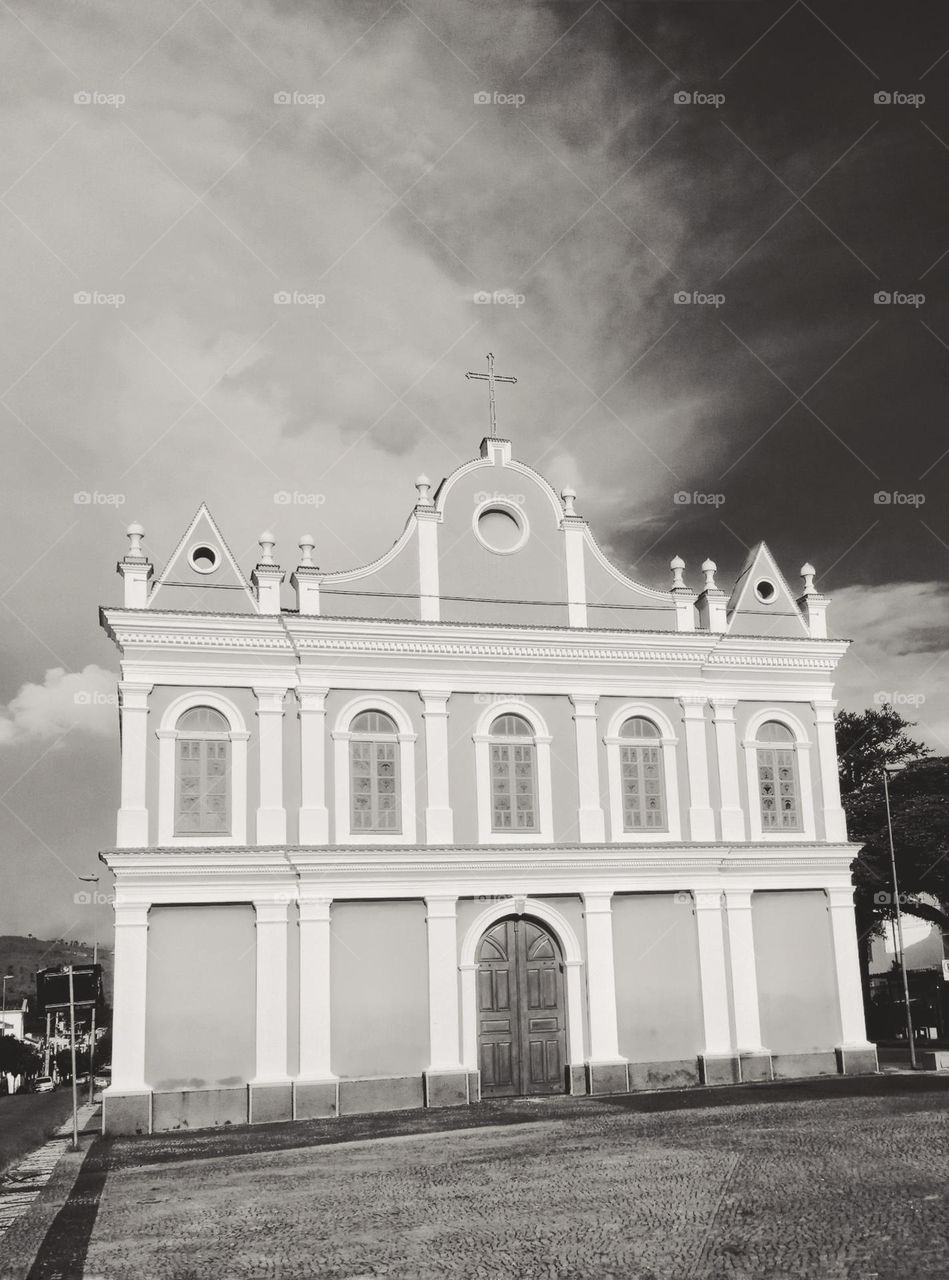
(545, 800)
(801, 747)
(668, 743)
(341, 738)
(167, 736)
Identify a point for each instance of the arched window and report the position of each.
(513, 755)
(778, 786)
(375, 803)
(641, 775)
(202, 773)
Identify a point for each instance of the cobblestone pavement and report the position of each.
(835, 1180)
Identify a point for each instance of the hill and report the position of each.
(22, 957)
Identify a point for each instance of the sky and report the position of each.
(251, 249)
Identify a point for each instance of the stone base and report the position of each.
(474, 1086)
(270, 1102)
(675, 1074)
(315, 1099)
(383, 1093)
(787, 1066)
(126, 1112)
(576, 1079)
(719, 1068)
(859, 1062)
(446, 1088)
(198, 1108)
(607, 1077)
(755, 1066)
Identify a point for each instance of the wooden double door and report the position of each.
(521, 1015)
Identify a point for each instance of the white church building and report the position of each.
(482, 818)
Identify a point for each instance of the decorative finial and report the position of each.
(307, 543)
(569, 498)
(677, 564)
(423, 485)
(807, 573)
(135, 533)
(708, 568)
(267, 542)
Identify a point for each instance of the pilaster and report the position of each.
(439, 820)
(701, 817)
(731, 814)
(606, 1068)
(314, 814)
(271, 815)
(590, 818)
(835, 820)
(132, 823)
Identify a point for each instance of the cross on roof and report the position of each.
(491, 378)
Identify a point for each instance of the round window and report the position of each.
(501, 529)
(204, 559)
(765, 590)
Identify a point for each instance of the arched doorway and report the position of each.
(521, 1012)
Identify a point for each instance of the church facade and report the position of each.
(482, 818)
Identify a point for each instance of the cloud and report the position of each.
(900, 631)
(66, 700)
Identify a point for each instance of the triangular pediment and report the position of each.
(202, 573)
(761, 602)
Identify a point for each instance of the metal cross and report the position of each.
(491, 378)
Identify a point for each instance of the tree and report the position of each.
(919, 805)
(17, 1057)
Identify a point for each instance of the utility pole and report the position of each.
(72, 1043)
(887, 770)
(92, 1037)
(46, 1054)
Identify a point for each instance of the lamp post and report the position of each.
(887, 770)
(7, 977)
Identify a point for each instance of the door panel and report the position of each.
(521, 1014)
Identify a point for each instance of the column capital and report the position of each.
(824, 709)
(311, 697)
(598, 901)
(584, 704)
(441, 907)
(707, 899)
(840, 897)
(131, 915)
(314, 910)
(737, 899)
(436, 701)
(723, 708)
(270, 699)
(693, 705)
(133, 695)
(273, 910)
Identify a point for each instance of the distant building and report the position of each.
(484, 817)
(11, 1022)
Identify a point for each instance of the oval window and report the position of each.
(765, 590)
(499, 529)
(204, 559)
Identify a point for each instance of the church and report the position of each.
(482, 818)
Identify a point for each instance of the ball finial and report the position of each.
(267, 542)
(807, 573)
(307, 543)
(569, 496)
(677, 564)
(423, 486)
(708, 568)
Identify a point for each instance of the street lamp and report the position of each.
(887, 770)
(7, 977)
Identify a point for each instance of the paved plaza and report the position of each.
(830, 1179)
